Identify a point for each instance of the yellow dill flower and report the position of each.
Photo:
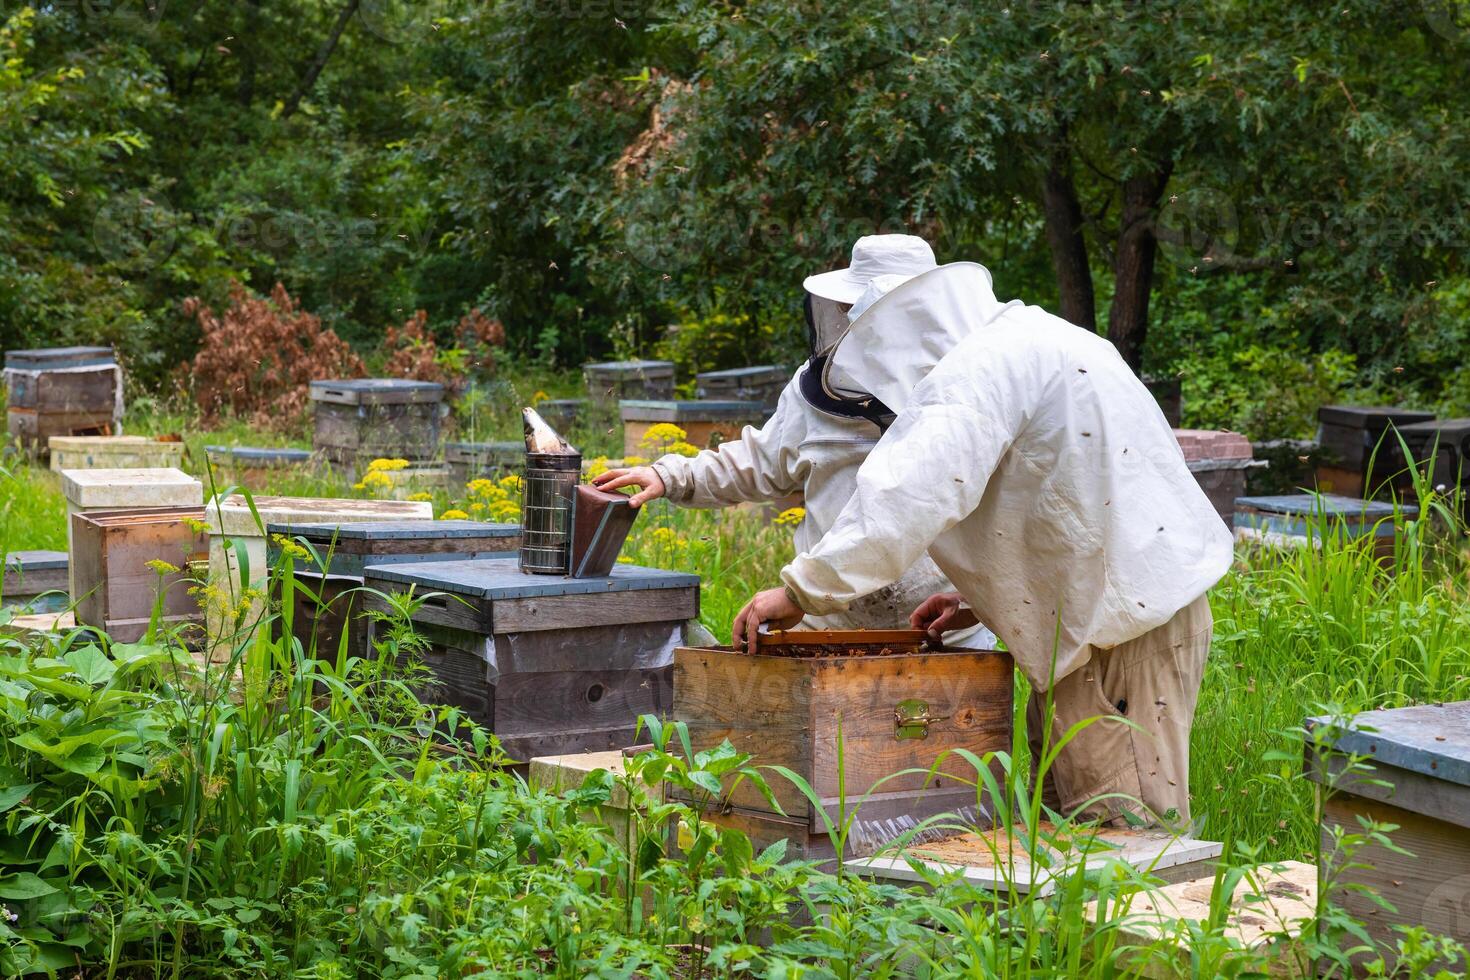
(791, 516)
(661, 434)
(682, 448)
(421, 495)
(511, 483)
(376, 479)
(539, 397)
(197, 526)
(359, 485)
(480, 488)
(635, 461)
(624, 560)
(505, 512)
(454, 515)
(162, 567)
(387, 464)
(289, 547)
(477, 506)
(596, 466)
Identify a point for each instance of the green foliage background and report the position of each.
(595, 172)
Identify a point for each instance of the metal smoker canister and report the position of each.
(547, 496)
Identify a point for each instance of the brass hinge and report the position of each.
(911, 719)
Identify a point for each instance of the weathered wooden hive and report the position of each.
(894, 703)
(136, 490)
(482, 460)
(232, 522)
(342, 552)
(612, 381)
(62, 391)
(762, 383)
(357, 421)
(116, 586)
(35, 580)
(1418, 779)
(254, 468)
(551, 665)
(705, 424)
(1219, 461)
(1293, 520)
(1439, 449)
(1355, 439)
(113, 453)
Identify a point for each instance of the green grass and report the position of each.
(304, 822)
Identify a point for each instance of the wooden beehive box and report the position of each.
(612, 381)
(35, 580)
(1440, 448)
(1420, 781)
(125, 489)
(1354, 437)
(254, 468)
(551, 665)
(61, 391)
(483, 460)
(116, 588)
(113, 453)
(787, 709)
(705, 424)
(344, 551)
(1219, 461)
(231, 522)
(763, 383)
(1292, 520)
(360, 420)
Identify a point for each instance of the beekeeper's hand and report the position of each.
(774, 606)
(645, 477)
(942, 613)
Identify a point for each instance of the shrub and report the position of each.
(257, 359)
(412, 352)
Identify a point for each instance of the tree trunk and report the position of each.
(1133, 265)
(320, 61)
(1063, 212)
(248, 46)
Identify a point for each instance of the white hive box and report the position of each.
(231, 520)
(113, 453)
(125, 489)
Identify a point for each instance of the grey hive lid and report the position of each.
(1449, 432)
(644, 410)
(631, 367)
(50, 358)
(398, 530)
(1409, 738)
(484, 450)
(1307, 505)
(375, 390)
(760, 372)
(260, 454)
(1374, 418)
(35, 561)
(491, 578)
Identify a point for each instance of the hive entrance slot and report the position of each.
(594, 693)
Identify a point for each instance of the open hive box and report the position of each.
(846, 710)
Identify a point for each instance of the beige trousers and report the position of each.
(1153, 682)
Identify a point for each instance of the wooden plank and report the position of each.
(1429, 887)
(970, 692)
(763, 705)
(556, 712)
(595, 609)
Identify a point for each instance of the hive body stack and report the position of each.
(1359, 447)
(894, 705)
(706, 424)
(612, 381)
(343, 553)
(552, 665)
(763, 383)
(62, 391)
(1219, 461)
(361, 420)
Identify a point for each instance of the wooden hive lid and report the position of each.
(630, 369)
(233, 515)
(375, 391)
(643, 410)
(155, 486)
(54, 358)
(1335, 505)
(1374, 418)
(494, 578)
(1429, 739)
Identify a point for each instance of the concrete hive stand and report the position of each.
(125, 489)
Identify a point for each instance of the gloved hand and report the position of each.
(942, 613)
(645, 477)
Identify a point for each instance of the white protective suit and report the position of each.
(1029, 461)
(803, 449)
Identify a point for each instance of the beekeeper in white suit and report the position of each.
(813, 444)
(1040, 475)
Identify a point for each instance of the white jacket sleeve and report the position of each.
(760, 465)
(926, 474)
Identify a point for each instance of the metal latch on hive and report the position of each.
(911, 718)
